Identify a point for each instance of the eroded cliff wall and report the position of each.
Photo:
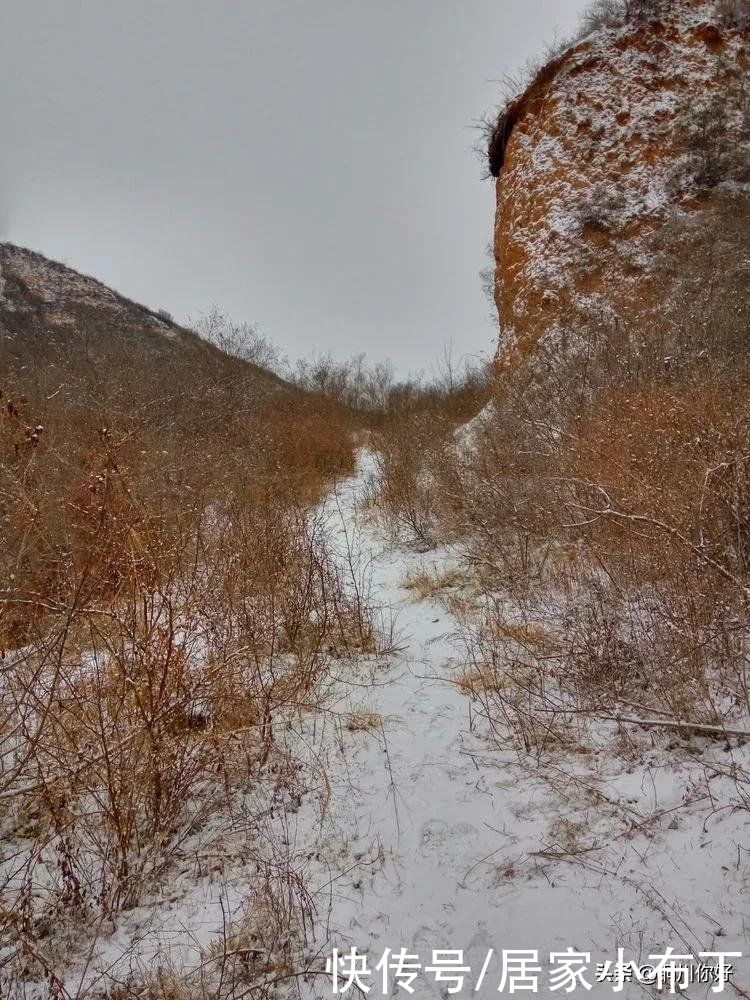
(622, 130)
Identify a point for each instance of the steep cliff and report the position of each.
(637, 123)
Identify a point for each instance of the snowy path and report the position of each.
(452, 829)
(443, 832)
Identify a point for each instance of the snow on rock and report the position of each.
(32, 281)
(590, 157)
(468, 435)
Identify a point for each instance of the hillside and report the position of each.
(98, 389)
(49, 309)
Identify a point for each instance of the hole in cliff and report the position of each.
(504, 125)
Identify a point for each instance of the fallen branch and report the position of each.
(678, 724)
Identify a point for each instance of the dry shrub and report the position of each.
(308, 442)
(173, 440)
(602, 14)
(604, 505)
(614, 13)
(122, 711)
(674, 456)
(408, 459)
(257, 951)
(170, 605)
(133, 713)
(626, 550)
(414, 445)
(715, 134)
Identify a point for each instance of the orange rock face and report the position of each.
(589, 161)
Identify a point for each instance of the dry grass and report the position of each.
(478, 680)
(170, 606)
(363, 721)
(432, 584)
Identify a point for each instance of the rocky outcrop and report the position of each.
(626, 126)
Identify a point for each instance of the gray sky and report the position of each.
(304, 164)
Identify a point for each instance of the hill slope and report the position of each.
(49, 309)
(98, 392)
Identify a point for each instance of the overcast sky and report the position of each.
(304, 164)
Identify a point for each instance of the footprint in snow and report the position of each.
(438, 836)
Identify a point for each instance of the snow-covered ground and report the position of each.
(469, 837)
(418, 834)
